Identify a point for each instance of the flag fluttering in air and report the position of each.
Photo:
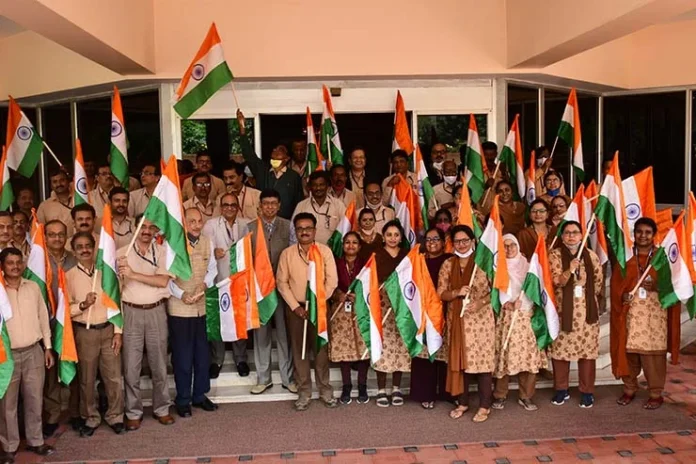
(673, 278)
(80, 177)
(425, 190)
(476, 169)
(639, 197)
(367, 307)
(316, 296)
(23, 143)
(490, 258)
(465, 213)
(597, 238)
(512, 158)
(530, 189)
(569, 132)
(404, 293)
(344, 226)
(108, 267)
(6, 361)
(63, 339)
(268, 297)
(330, 141)
(402, 136)
(575, 212)
(538, 287)
(226, 308)
(119, 142)
(403, 200)
(315, 161)
(6, 193)
(690, 238)
(241, 259)
(207, 73)
(38, 268)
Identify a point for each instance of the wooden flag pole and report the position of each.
(304, 339)
(555, 142)
(467, 299)
(234, 94)
(328, 148)
(94, 288)
(135, 236)
(52, 154)
(587, 235)
(640, 281)
(488, 190)
(512, 323)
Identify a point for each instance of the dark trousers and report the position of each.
(190, 358)
(428, 380)
(484, 381)
(586, 374)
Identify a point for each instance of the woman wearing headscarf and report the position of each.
(521, 357)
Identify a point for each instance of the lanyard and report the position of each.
(85, 271)
(326, 214)
(152, 249)
(641, 269)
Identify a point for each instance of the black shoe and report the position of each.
(362, 394)
(103, 405)
(7, 458)
(77, 423)
(118, 428)
(243, 369)
(206, 405)
(183, 411)
(43, 450)
(49, 430)
(345, 394)
(214, 371)
(87, 431)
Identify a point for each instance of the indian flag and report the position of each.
(315, 162)
(38, 267)
(597, 239)
(24, 145)
(490, 258)
(465, 213)
(538, 287)
(241, 259)
(433, 317)
(367, 307)
(476, 169)
(673, 278)
(316, 296)
(402, 287)
(569, 131)
(690, 238)
(330, 141)
(402, 136)
(6, 193)
(226, 308)
(80, 177)
(119, 143)
(512, 157)
(6, 361)
(530, 191)
(63, 340)
(425, 189)
(268, 297)
(639, 197)
(404, 203)
(344, 226)
(106, 264)
(207, 73)
(575, 212)
(165, 211)
(611, 212)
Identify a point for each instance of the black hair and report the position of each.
(304, 217)
(319, 175)
(84, 207)
(394, 223)
(337, 166)
(365, 211)
(645, 221)
(398, 153)
(540, 201)
(103, 165)
(565, 225)
(553, 172)
(235, 166)
(445, 212)
(353, 233)
(82, 235)
(116, 191)
(19, 211)
(203, 153)
(540, 149)
(367, 183)
(439, 231)
(269, 193)
(198, 175)
(565, 199)
(7, 252)
(58, 171)
(503, 181)
(488, 145)
(462, 228)
(5, 214)
(158, 169)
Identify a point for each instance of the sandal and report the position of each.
(481, 415)
(382, 400)
(625, 399)
(458, 412)
(653, 403)
(425, 405)
(397, 398)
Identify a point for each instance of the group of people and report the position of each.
(163, 313)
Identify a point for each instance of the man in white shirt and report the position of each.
(100, 195)
(327, 210)
(233, 176)
(149, 176)
(338, 190)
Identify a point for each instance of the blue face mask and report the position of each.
(554, 192)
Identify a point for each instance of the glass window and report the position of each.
(451, 130)
(94, 129)
(645, 128)
(57, 133)
(218, 137)
(525, 102)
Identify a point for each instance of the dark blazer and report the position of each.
(277, 242)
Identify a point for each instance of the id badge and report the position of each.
(347, 306)
(577, 291)
(642, 293)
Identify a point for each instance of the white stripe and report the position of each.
(611, 191)
(120, 140)
(81, 179)
(552, 322)
(5, 306)
(312, 277)
(18, 146)
(344, 226)
(569, 115)
(209, 61)
(473, 141)
(410, 292)
(168, 193)
(228, 327)
(679, 272)
(402, 213)
(375, 338)
(108, 247)
(634, 208)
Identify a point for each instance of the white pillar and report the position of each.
(170, 123)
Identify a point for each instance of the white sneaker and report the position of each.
(258, 389)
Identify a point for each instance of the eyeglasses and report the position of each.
(305, 229)
(538, 211)
(230, 205)
(270, 203)
(462, 241)
(432, 240)
(147, 173)
(570, 233)
(56, 235)
(202, 184)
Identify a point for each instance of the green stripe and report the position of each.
(7, 367)
(428, 194)
(7, 196)
(78, 199)
(119, 166)
(313, 310)
(606, 215)
(579, 172)
(156, 212)
(66, 369)
(362, 311)
(214, 81)
(31, 156)
(483, 257)
(477, 183)
(691, 305)
(233, 259)
(404, 319)
(532, 288)
(29, 275)
(312, 158)
(334, 154)
(335, 242)
(267, 307)
(212, 314)
(566, 133)
(665, 289)
(110, 286)
(507, 157)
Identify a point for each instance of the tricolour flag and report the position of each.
(476, 169)
(38, 267)
(226, 308)
(575, 212)
(165, 210)
(106, 264)
(315, 161)
(538, 287)
(241, 259)
(569, 131)
(24, 145)
(344, 226)
(207, 73)
(268, 297)
(673, 277)
(639, 197)
(512, 158)
(6, 193)
(367, 307)
(63, 339)
(530, 191)
(119, 143)
(433, 317)
(425, 190)
(316, 295)
(691, 234)
(403, 200)
(6, 361)
(465, 213)
(597, 239)
(80, 177)
(490, 258)
(330, 141)
(402, 136)
(611, 212)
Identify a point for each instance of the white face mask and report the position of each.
(369, 231)
(373, 205)
(464, 255)
(450, 180)
(247, 171)
(438, 165)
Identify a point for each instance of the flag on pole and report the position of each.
(406, 210)
(241, 259)
(597, 239)
(6, 193)
(476, 169)
(207, 73)
(165, 210)
(329, 131)
(569, 132)
(512, 158)
(575, 211)
(425, 189)
(691, 234)
(402, 136)
(344, 226)
(24, 145)
(316, 296)
(673, 278)
(538, 287)
(639, 197)
(6, 361)
(226, 308)
(119, 143)
(367, 307)
(63, 339)
(530, 192)
(465, 213)
(433, 316)
(268, 297)
(38, 268)
(315, 161)
(106, 264)
(80, 177)
(611, 212)
(490, 258)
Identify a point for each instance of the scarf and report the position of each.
(517, 268)
(459, 277)
(592, 314)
